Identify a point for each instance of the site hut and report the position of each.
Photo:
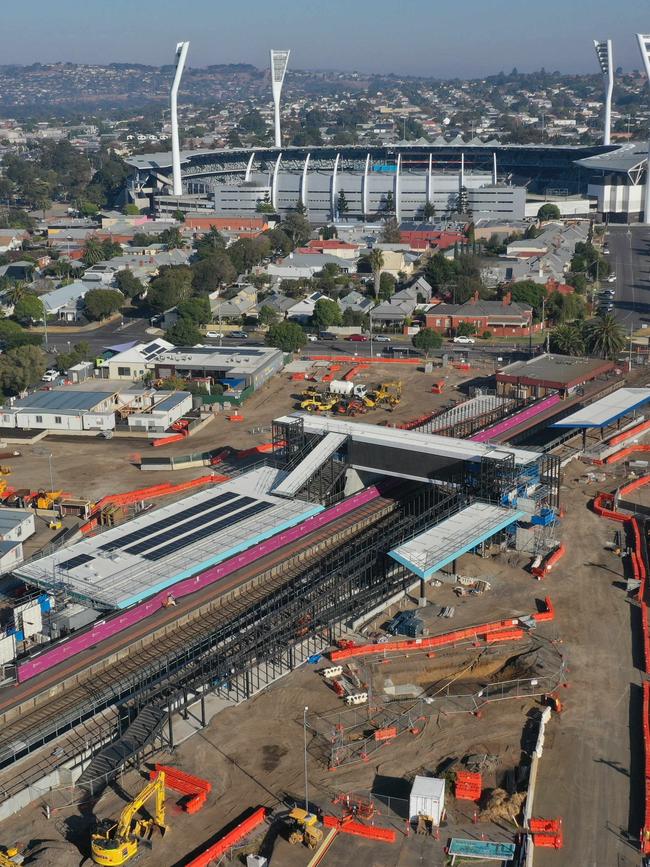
(548, 373)
(166, 409)
(248, 366)
(66, 409)
(16, 525)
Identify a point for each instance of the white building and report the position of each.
(62, 410)
(167, 409)
(134, 362)
(16, 525)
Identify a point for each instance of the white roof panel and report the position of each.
(608, 409)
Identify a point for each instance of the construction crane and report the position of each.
(118, 843)
(304, 828)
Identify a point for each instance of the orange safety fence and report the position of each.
(416, 422)
(172, 438)
(350, 359)
(212, 853)
(370, 832)
(626, 435)
(386, 734)
(468, 786)
(506, 635)
(354, 371)
(548, 614)
(469, 633)
(545, 567)
(624, 453)
(186, 784)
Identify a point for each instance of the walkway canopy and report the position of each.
(440, 545)
(608, 409)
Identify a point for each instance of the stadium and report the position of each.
(487, 179)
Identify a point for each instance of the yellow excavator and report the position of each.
(11, 857)
(119, 842)
(388, 392)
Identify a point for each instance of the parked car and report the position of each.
(358, 338)
(50, 376)
(326, 335)
(213, 334)
(462, 338)
(238, 335)
(312, 338)
(611, 278)
(382, 338)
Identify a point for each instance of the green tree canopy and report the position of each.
(390, 234)
(567, 340)
(172, 238)
(529, 292)
(376, 263)
(466, 329)
(604, 337)
(427, 340)
(100, 303)
(386, 286)
(267, 315)
(12, 335)
(128, 284)
(296, 227)
(184, 333)
(548, 211)
(172, 285)
(212, 272)
(21, 368)
(212, 242)
(29, 309)
(287, 336)
(197, 310)
(326, 313)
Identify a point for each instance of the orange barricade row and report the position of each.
(212, 853)
(385, 835)
(468, 786)
(626, 435)
(549, 562)
(386, 734)
(545, 616)
(506, 635)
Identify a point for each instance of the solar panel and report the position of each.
(73, 562)
(188, 524)
(166, 550)
(168, 523)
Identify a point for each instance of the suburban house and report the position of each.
(303, 310)
(277, 301)
(67, 302)
(242, 304)
(393, 312)
(503, 318)
(334, 247)
(130, 361)
(357, 302)
(298, 265)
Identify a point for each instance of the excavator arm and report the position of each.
(156, 788)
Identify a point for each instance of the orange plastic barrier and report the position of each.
(468, 786)
(550, 561)
(624, 453)
(632, 432)
(228, 841)
(416, 422)
(645, 831)
(470, 633)
(350, 359)
(545, 616)
(385, 835)
(235, 417)
(186, 784)
(386, 734)
(172, 438)
(547, 833)
(354, 371)
(506, 635)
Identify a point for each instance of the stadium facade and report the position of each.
(487, 179)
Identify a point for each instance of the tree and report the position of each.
(529, 292)
(579, 282)
(279, 240)
(212, 242)
(466, 329)
(548, 211)
(110, 249)
(172, 238)
(184, 333)
(355, 318)
(386, 286)
(197, 310)
(29, 309)
(128, 284)
(297, 229)
(390, 234)
(16, 292)
(12, 335)
(21, 368)
(389, 204)
(342, 206)
(93, 252)
(100, 303)
(267, 315)
(287, 336)
(604, 337)
(326, 313)
(172, 285)
(429, 211)
(567, 340)
(130, 210)
(427, 340)
(211, 273)
(376, 262)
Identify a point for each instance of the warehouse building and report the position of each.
(550, 373)
(238, 368)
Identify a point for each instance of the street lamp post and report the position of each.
(370, 322)
(49, 460)
(304, 731)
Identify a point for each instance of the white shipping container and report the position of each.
(427, 799)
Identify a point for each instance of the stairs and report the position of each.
(107, 763)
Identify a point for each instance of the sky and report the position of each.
(438, 38)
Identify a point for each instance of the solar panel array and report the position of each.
(73, 562)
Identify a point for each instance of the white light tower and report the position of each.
(181, 55)
(279, 63)
(604, 55)
(644, 46)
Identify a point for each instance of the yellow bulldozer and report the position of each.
(304, 828)
(323, 403)
(119, 842)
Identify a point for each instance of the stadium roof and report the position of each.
(629, 158)
(126, 564)
(440, 545)
(608, 409)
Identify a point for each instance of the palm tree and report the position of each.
(93, 251)
(567, 340)
(376, 259)
(16, 292)
(604, 336)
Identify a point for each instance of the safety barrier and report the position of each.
(370, 832)
(229, 840)
(166, 441)
(628, 434)
(470, 633)
(545, 567)
(468, 786)
(624, 453)
(506, 635)
(350, 359)
(548, 614)
(354, 371)
(196, 788)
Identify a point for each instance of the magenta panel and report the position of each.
(104, 629)
(512, 421)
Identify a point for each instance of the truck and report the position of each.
(346, 388)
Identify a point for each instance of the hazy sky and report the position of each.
(443, 38)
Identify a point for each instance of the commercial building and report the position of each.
(251, 366)
(132, 361)
(550, 373)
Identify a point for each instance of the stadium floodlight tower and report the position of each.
(644, 46)
(604, 55)
(181, 56)
(279, 63)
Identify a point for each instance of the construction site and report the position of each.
(379, 614)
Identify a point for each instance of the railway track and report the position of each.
(39, 710)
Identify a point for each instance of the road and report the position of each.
(630, 260)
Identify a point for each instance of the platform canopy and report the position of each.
(440, 545)
(608, 409)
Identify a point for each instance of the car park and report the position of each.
(462, 338)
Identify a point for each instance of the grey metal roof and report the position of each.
(172, 401)
(12, 518)
(555, 368)
(626, 158)
(63, 400)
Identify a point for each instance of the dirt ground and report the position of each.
(93, 467)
